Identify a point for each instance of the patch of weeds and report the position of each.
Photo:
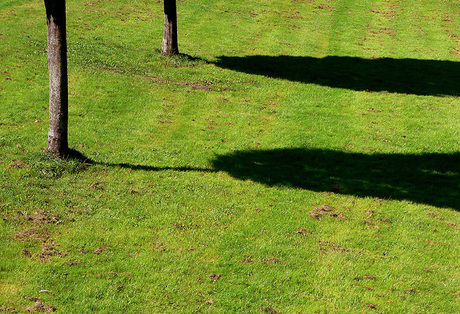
(50, 167)
(182, 60)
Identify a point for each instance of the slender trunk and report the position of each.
(57, 67)
(170, 46)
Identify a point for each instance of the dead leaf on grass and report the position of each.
(269, 310)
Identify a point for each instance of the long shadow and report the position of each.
(432, 179)
(407, 76)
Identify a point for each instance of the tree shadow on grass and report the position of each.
(407, 76)
(432, 179)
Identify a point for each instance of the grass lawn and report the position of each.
(299, 157)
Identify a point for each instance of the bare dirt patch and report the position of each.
(42, 217)
(269, 310)
(325, 210)
(434, 215)
(246, 261)
(270, 260)
(99, 250)
(7, 309)
(40, 307)
(330, 246)
(371, 306)
(215, 277)
(17, 164)
(78, 261)
(303, 231)
(34, 233)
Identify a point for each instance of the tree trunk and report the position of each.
(57, 68)
(170, 46)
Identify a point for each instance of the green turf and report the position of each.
(299, 157)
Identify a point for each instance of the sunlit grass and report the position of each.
(298, 157)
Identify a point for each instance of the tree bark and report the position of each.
(170, 46)
(58, 84)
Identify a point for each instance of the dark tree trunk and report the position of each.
(57, 67)
(170, 46)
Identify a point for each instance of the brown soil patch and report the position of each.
(40, 307)
(99, 250)
(185, 227)
(48, 249)
(34, 233)
(215, 277)
(97, 185)
(42, 217)
(179, 226)
(434, 215)
(246, 261)
(17, 164)
(270, 260)
(324, 245)
(201, 87)
(34, 299)
(269, 310)
(303, 231)
(78, 261)
(325, 210)
(367, 222)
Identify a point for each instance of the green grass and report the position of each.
(300, 157)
